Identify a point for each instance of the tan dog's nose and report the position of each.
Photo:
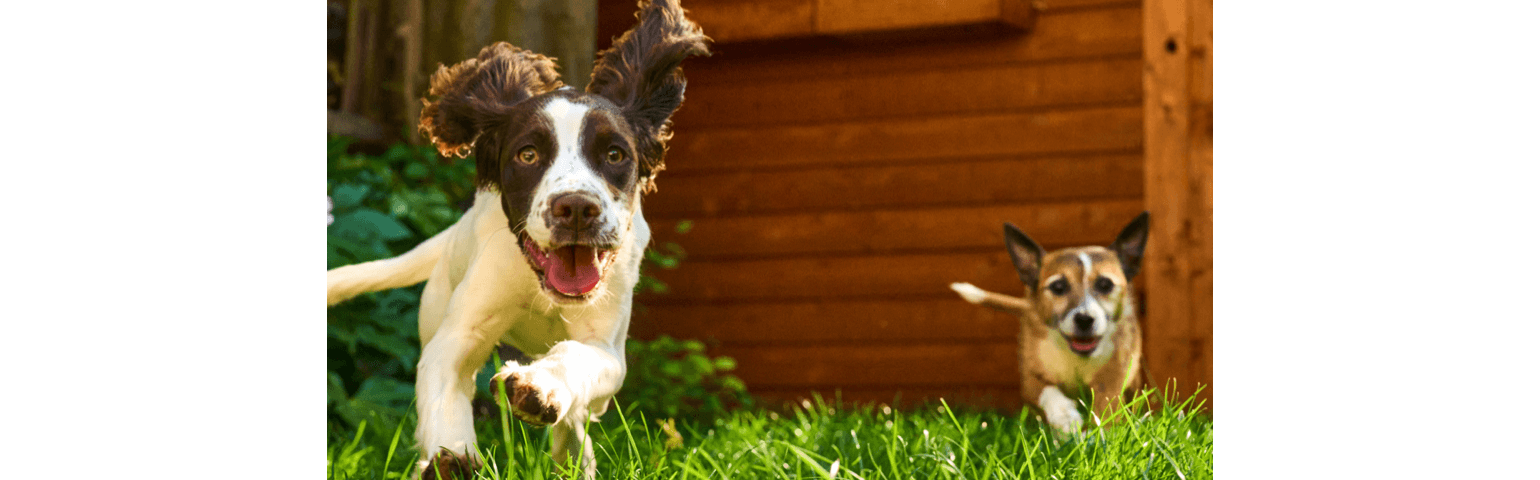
(1084, 321)
(574, 211)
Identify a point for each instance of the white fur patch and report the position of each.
(570, 173)
(1085, 266)
(1059, 409)
(567, 118)
(1065, 366)
(1088, 304)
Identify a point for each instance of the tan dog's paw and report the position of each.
(533, 395)
(1064, 417)
(448, 465)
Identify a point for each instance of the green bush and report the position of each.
(382, 205)
(668, 378)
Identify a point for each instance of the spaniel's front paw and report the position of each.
(448, 465)
(532, 394)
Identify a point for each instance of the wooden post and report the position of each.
(1178, 186)
(574, 42)
(411, 32)
(353, 58)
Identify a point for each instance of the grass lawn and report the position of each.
(819, 440)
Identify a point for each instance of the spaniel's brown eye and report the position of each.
(528, 155)
(615, 155)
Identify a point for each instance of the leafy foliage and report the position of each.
(383, 205)
(666, 258)
(671, 378)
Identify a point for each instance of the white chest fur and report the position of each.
(1064, 366)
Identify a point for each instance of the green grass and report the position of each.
(823, 440)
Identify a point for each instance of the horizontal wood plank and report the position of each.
(739, 20)
(855, 366)
(839, 17)
(991, 88)
(899, 398)
(732, 21)
(908, 139)
(1064, 5)
(998, 180)
(893, 231)
(791, 279)
(874, 321)
(1054, 37)
(837, 185)
(751, 283)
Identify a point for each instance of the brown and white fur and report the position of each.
(1078, 325)
(547, 257)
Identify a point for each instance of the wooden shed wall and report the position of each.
(837, 185)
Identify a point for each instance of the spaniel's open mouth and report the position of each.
(1083, 345)
(572, 271)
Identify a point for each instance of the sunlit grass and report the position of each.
(821, 440)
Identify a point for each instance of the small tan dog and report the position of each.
(1078, 326)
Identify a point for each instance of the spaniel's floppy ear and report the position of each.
(640, 73)
(477, 92)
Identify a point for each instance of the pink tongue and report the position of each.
(572, 270)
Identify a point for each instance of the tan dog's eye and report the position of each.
(616, 155)
(1103, 285)
(1059, 287)
(528, 155)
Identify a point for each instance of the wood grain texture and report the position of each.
(896, 231)
(989, 396)
(836, 17)
(1075, 34)
(941, 317)
(858, 366)
(961, 181)
(988, 88)
(730, 21)
(912, 139)
(1179, 191)
(800, 278)
(839, 184)
(743, 20)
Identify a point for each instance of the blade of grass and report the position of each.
(630, 439)
(391, 453)
(807, 458)
(962, 458)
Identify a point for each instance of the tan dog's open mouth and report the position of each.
(569, 270)
(1083, 345)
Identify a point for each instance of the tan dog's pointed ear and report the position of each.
(477, 93)
(1026, 254)
(1130, 244)
(641, 74)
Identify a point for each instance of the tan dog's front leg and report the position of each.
(1057, 408)
(563, 388)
